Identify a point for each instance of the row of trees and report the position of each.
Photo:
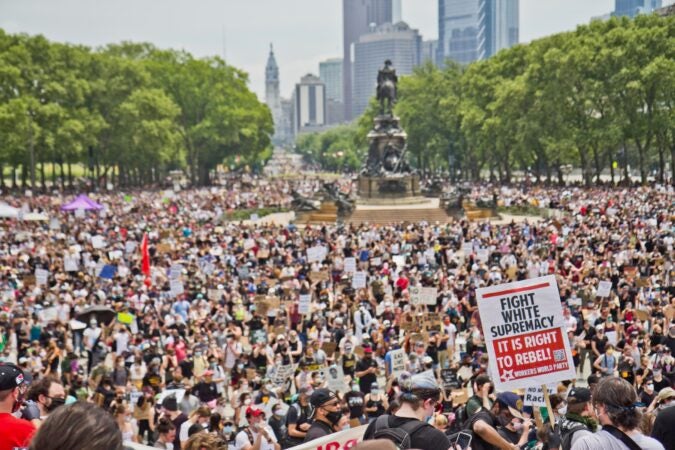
(130, 112)
(599, 98)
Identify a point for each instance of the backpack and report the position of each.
(566, 435)
(400, 436)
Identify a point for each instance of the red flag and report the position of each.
(145, 256)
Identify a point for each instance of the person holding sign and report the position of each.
(504, 411)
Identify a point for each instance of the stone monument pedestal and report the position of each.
(389, 187)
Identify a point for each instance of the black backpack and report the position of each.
(400, 436)
(566, 435)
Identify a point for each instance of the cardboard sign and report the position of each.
(525, 333)
(422, 295)
(398, 360)
(304, 303)
(319, 276)
(329, 348)
(408, 323)
(459, 396)
(163, 248)
(350, 265)
(359, 280)
(604, 288)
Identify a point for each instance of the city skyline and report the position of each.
(243, 31)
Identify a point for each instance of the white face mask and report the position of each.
(562, 410)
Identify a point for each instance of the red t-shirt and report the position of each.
(14, 433)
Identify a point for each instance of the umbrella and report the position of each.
(102, 314)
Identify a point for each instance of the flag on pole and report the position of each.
(145, 258)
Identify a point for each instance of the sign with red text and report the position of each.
(525, 333)
(342, 440)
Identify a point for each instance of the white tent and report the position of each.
(8, 212)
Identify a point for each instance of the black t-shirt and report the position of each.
(317, 430)
(663, 430)
(205, 392)
(427, 437)
(477, 443)
(297, 415)
(511, 436)
(366, 381)
(348, 364)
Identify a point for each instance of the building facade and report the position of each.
(330, 72)
(309, 104)
(397, 42)
(358, 18)
(632, 8)
(273, 98)
(470, 30)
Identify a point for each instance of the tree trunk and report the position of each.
(54, 174)
(24, 176)
(597, 164)
(70, 175)
(2, 176)
(13, 177)
(42, 177)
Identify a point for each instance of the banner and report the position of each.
(525, 333)
(343, 440)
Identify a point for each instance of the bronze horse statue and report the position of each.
(386, 88)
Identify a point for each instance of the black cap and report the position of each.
(320, 397)
(579, 395)
(11, 376)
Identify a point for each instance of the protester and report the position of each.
(327, 414)
(578, 420)
(257, 435)
(485, 423)
(663, 429)
(615, 402)
(14, 433)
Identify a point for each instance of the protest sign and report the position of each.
(359, 280)
(98, 242)
(108, 272)
(70, 264)
(282, 374)
(525, 333)
(534, 395)
(316, 254)
(422, 295)
(467, 248)
(604, 288)
(175, 271)
(343, 440)
(399, 260)
(41, 276)
(125, 318)
(398, 360)
(450, 380)
(335, 378)
(376, 262)
(321, 275)
(350, 265)
(176, 288)
(54, 224)
(482, 254)
(304, 303)
(79, 213)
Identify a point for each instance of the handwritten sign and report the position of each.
(423, 295)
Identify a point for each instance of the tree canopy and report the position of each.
(129, 111)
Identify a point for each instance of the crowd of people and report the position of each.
(192, 332)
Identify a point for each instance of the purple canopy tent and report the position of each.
(81, 202)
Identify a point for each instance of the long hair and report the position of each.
(619, 398)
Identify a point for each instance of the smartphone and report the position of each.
(463, 440)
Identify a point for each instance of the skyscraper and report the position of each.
(330, 72)
(273, 98)
(469, 30)
(309, 103)
(358, 16)
(632, 8)
(397, 42)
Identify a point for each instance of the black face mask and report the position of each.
(55, 403)
(334, 417)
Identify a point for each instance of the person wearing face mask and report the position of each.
(228, 432)
(366, 370)
(348, 360)
(419, 395)
(647, 393)
(606, 364)
(663, 430)
(376, 403)
(327, 414)
(355, 402)
(278, 422)
(14, 433)
(48, 393)
(257, 435)
(578, 419)
(484, 423)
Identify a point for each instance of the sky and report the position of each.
(304, 32)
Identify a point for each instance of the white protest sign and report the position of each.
(376, 262)
(304, 303)
(467, 248)
(335, 378)
(41, 276)
(525, 333)
(54, 224)
(342, 440)
(482, 254)
(282, 374)
(398, 360)
(423, 295)
(129, 246)
(399, 260)
(604, 288)
(350, 265)
(316, 254)
(97, 242)
(534, 395)
(359, 280)
(175, 271)
(79, 213)
(70, 264)
(176, 288)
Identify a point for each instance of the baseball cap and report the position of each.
(254, 412)
(321, 396)
(665, 394)
(367, 350)
(11, 376)
(208, 373)
(513, 402)
(579, 395)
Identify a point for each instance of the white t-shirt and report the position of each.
(605, 441)
(90, 336)
(122, 342)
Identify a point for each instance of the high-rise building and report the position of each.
(358, 16)
(330, 72)
(396, 42)
(469, 30)
(429, 51)
(309, 103)
(632, 8)
(273, 98)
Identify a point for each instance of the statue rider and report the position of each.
(386, 86)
